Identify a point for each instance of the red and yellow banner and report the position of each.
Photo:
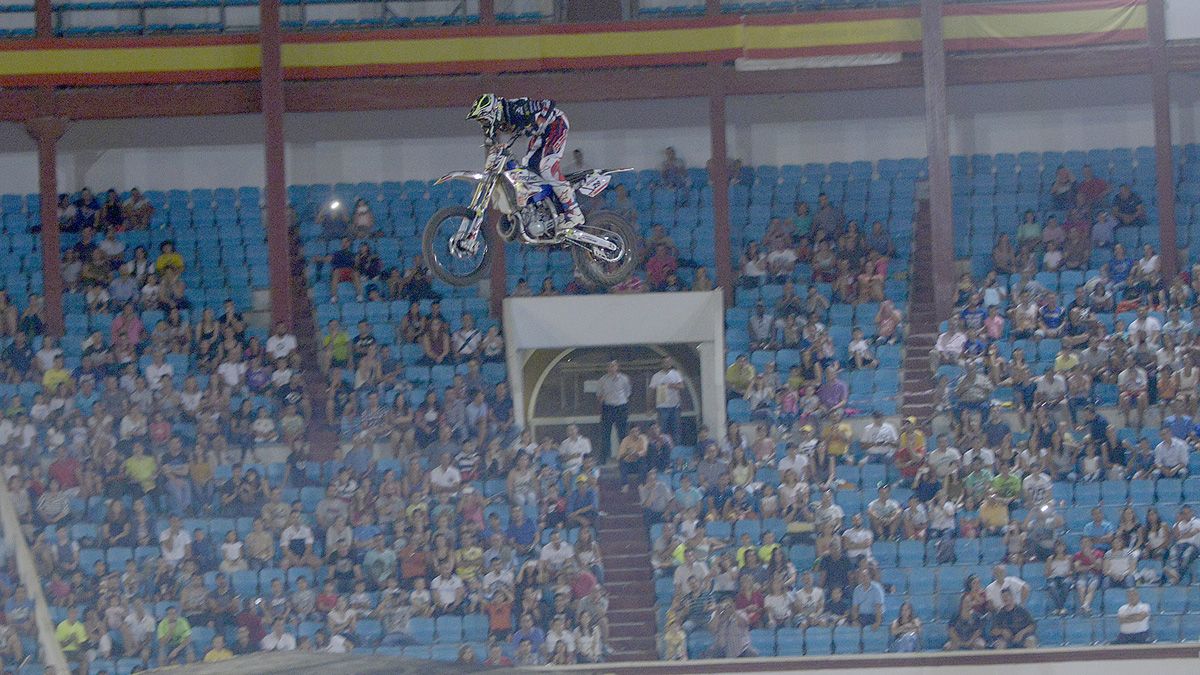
(475, 50)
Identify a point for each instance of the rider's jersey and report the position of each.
(530, 115)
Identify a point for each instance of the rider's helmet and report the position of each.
(488, 110)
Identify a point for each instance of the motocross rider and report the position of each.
(547, 127)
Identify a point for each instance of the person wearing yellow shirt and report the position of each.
(837, 436)
(1066, 360)
(141, 469)
(55, 376)
(218, 652)
(768, 546)
(71, 634)
(746, 547)
(738, 376)
(174, 639)
(336, 345)
(168, 260)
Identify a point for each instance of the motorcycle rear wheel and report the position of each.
(616, 229)
(436, 248)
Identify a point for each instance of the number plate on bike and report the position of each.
(594, 184)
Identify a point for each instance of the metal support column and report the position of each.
(718, 174)
(937, 139)
(46, 131)
(1164, 162)
(278, 235)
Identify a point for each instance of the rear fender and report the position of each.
(468, 176)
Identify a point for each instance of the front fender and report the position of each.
(469, 176)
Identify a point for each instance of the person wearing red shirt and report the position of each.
(1091, 190)
(1088, 565)
(750, 600)
(660, 266)
(65, 469)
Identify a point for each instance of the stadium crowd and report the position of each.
(178, 512)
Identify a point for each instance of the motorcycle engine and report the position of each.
(539, 222)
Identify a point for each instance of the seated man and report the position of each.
(1171, 455)
(1013, 626)
(342, 269)
(175, 639)
(950, 344)
(1128, 207)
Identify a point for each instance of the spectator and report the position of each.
(829, 219)
(175, 638)
(362, 221)
(1013, 626)
(1128, 207)
(1170, 455)
(278, 640)
(137, 211)
(72, 636)
(1002, 581)
(866, 608)
(667, 383)
(674, 173)
(343, 270)
(1134, 620)
(1185, 533)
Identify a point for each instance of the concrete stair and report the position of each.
(323, 439)
(627, 572)
(918, 384)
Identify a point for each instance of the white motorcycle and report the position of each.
(457, 251)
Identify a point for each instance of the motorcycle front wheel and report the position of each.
(602, 267)
(454, 267)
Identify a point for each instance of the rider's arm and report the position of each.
(526, 114)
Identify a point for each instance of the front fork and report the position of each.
(466, 240)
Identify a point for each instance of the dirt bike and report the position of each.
(457, 251)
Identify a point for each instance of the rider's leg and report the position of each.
(553, 143)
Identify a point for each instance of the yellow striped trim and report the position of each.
(1043, 24)
(832, 34)
(511, 48)
(35, 62)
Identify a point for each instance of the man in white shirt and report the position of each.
(141, 626)
(281, 343)
(174, 541)
(796, 462)
(445, 477)
(1134, 620)
(233, 369)
(297, 543)
(465, 341)
(944, 460)
(885, 513)
(1002, 582)
(666, 385)
(156, 370)
(557, 552)
(613, 390)
(559, 633)
(1133, 391)
(1170, 455)
(692, 569)
(1186, 533)
(573, 449)
(1149, 326)
(1037, 486)
(950, 344)
(44, 357)
(278, 640)
(880, 439)
(448, 588)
